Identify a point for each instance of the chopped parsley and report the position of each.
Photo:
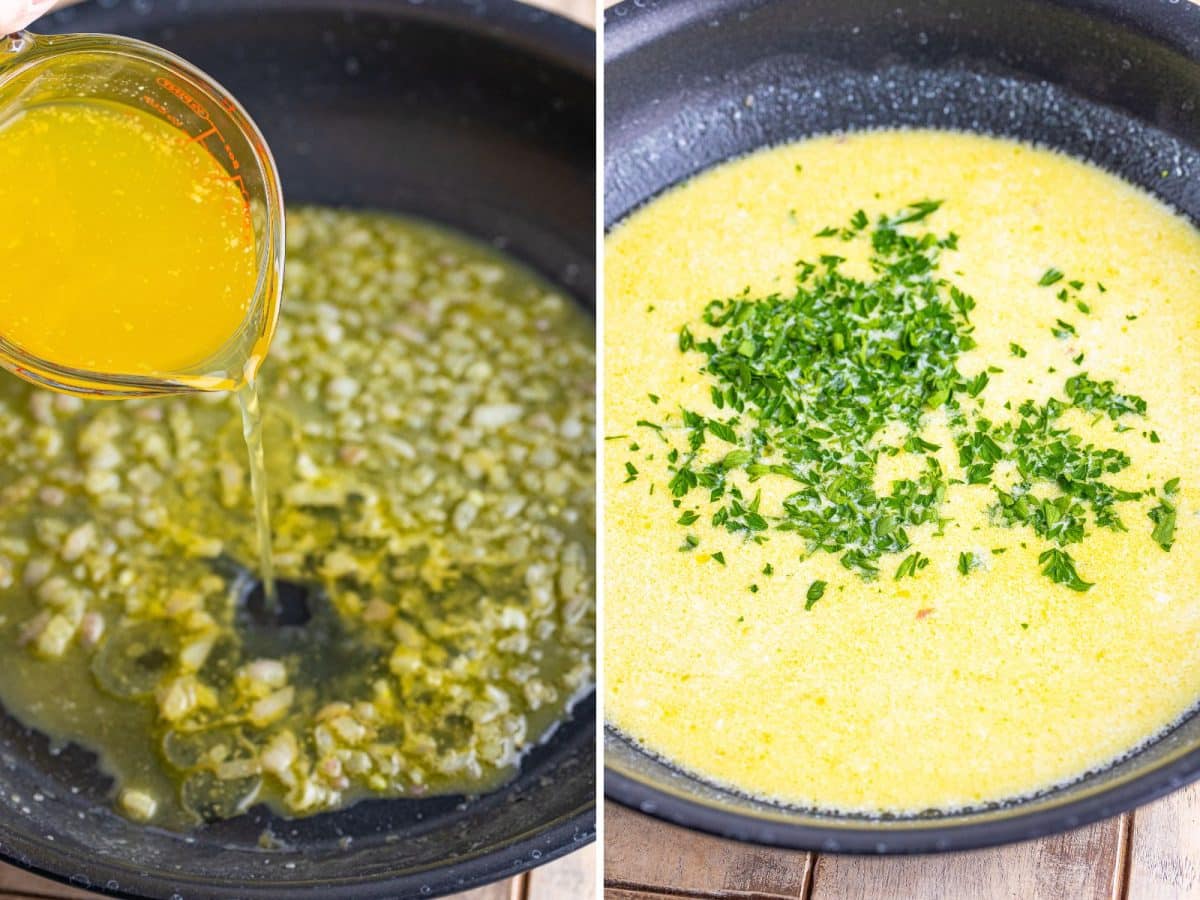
(806, 380)
(911, 565)
(1062, 330)
(1100, 396)
(816, 591)
(1060, 568)
(1163, 517)
(686, 341)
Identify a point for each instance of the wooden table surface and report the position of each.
(1152, 853)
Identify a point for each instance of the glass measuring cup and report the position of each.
(38, 69)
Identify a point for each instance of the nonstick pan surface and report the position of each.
(477, 114)
(689, 85)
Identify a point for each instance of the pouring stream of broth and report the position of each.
(136, 257)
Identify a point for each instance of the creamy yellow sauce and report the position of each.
(943, 690)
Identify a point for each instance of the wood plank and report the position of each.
(644, 854)
(512, 889)
(1085, 864)
(625, 894)
(1164, 856)
(16, 882)
(573, 876)
(582, 11)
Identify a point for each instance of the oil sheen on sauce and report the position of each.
(940, 690)
(135, 256)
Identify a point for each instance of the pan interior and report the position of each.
(1111, 83)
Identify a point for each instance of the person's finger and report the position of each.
(16, 14)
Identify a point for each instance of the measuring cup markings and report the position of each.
(202, 111)
(162, 110)
(193, 104)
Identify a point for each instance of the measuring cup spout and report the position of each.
(14, 45)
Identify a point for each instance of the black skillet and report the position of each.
(478, 114)
(689, 84)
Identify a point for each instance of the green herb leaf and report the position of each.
(1163, 516)
(1100, 396)
(723, 431)
(911, 565)
(914, 213)
(1062, 330)
(1059, 567)
(686, 341)
(816, 591)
